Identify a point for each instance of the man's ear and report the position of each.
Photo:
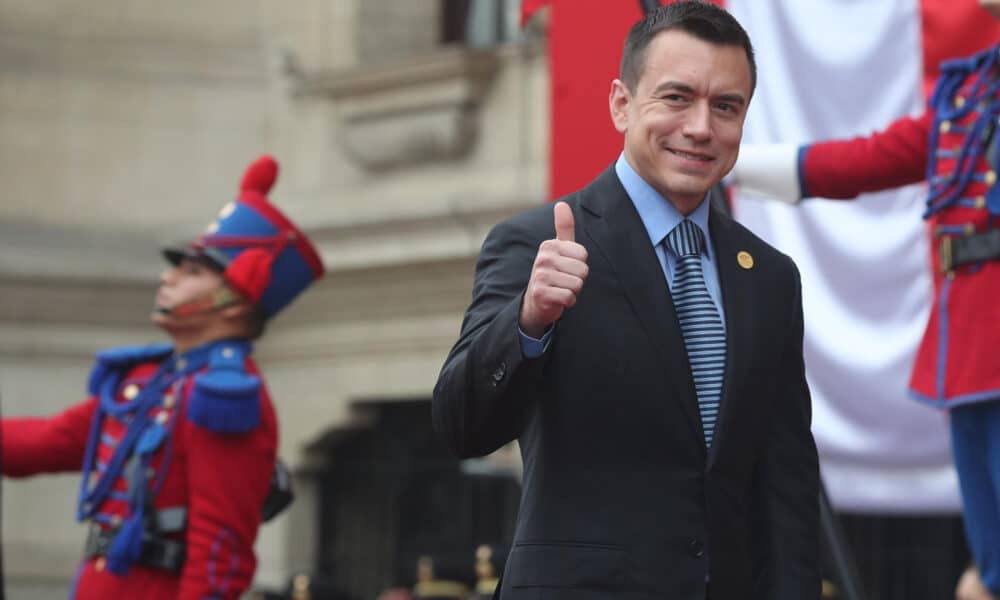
(618, 101)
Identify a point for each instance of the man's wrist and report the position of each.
(530, 327)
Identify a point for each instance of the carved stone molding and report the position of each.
(419, 110)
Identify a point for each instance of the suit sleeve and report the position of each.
(33, 445)
(228, 477)
(487, 386)
(786, 486)
(887, 159)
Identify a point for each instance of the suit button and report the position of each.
(500, 372)
(696, 548)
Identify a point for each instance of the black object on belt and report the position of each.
(279, 493)
(956, 251)
(157, 552)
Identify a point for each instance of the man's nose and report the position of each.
(698, 124)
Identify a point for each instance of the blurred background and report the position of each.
(405, 130)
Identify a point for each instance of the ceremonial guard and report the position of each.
(177, 442)
(955, 147)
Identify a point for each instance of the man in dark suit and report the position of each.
(646, 351)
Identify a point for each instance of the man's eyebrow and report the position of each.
(687, 89)
(673, 85)
(734, 98)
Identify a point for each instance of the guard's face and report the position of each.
(188, 281)
(684, 122)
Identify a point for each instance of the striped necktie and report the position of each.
(704, 335)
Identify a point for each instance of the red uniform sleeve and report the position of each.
(228, 480)
(32, 445)
(891, 158)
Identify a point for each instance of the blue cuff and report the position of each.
(532, 348)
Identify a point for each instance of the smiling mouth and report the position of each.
(690, 155)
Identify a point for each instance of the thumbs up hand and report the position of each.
(556, 278)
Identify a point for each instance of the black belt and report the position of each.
(157, 552)
(955, 251)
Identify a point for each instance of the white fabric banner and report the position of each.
(836, 68)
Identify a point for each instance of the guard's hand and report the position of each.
(556, 278)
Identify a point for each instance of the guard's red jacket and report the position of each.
(221, 478)
(948, 146)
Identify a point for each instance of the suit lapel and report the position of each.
(735, 283)
(611, 221)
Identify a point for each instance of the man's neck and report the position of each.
(184, 341)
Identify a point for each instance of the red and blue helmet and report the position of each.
(263, 256)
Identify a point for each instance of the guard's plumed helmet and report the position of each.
(263, 256)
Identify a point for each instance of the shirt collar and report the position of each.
(658, 215)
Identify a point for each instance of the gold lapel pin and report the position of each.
(745, 260)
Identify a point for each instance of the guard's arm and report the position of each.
(33, 445)
(840, 169)
(228, 477)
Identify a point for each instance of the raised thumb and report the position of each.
(565, 226)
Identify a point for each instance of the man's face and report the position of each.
(992, 6)
(684, 122)
(189, 280)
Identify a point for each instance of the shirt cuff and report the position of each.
(531, 347)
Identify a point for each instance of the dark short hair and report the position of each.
(703, 20)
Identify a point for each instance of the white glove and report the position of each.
(769, 170)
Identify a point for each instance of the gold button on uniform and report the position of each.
(168, 401)
(745, 260)
(959, 101)
(980, 201)
(990, 177)
(131, 391)
(945, 126)
(162, 418)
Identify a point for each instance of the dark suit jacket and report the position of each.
(620, 497)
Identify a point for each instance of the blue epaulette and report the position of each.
(112, 360)
(225, 398)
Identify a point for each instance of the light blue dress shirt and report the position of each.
(659, 217)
